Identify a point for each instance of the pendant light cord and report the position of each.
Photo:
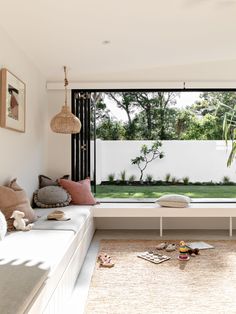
(65, 84)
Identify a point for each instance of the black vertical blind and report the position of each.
(80, 143)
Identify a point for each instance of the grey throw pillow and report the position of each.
(174, 200)
(52, 196)
(46, 181)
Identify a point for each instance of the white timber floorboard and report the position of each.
(78, 300)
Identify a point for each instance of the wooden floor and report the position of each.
(78, 300)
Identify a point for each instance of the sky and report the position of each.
(185, 99)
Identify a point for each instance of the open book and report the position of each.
(200, 245)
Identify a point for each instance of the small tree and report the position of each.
(147, 155)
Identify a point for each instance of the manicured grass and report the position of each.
(119, 191)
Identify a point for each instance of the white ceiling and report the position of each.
(150, 40)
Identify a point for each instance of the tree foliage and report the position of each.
(155, 116)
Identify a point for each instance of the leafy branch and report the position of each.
(147, 155)
(229, 132)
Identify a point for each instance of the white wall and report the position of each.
(59, 145)
(199, 160)
(22, 155)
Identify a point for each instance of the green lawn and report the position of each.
(119, 191)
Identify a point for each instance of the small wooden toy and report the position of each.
(183, 251)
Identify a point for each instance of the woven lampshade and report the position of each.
(65, 122)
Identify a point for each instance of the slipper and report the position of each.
(105, 260)
(171, 247)
(161, 246)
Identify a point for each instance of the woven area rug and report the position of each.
(204, 284)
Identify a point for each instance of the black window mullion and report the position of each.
(88, 134)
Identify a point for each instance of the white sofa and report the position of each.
(40, 267)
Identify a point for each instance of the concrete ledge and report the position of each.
(154, 210)
(153, 200)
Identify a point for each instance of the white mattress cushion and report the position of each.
(40, 254)
(77, 213)
(25, 261)
(46, 247)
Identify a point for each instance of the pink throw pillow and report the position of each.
(80, 191)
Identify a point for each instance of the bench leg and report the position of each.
(230, 227)
(161, 230)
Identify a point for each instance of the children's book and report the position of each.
(154, 257)
(200, 245)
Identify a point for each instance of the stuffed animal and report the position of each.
(20, 222)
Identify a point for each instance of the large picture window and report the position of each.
(148, 143)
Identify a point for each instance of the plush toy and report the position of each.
(183, 251)
(20, 222)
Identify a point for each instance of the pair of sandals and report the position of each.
(105, 260)
(169, 247)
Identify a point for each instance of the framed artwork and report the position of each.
(12, 105)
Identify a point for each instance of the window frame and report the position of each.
(184, 89)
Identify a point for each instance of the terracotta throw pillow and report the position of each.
(80, 191)
(13, 197)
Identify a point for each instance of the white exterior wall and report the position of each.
(199, 160)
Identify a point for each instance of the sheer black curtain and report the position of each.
(80, 143)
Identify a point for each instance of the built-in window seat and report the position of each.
(39, 267)
(151, 210)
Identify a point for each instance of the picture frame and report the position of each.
(12, 102)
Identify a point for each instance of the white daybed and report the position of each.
(55, 252)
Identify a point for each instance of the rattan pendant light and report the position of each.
(65, 122)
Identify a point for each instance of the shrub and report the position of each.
(132, 178)
(173, 180)
(186, 180)
(226, 180)
(111, 177)
(123, 175)
(149, 178)
(201, 183)
(167, 177)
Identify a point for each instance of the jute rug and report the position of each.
(204, 284)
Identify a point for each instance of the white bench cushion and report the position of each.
(37, 255)
(78, 215)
